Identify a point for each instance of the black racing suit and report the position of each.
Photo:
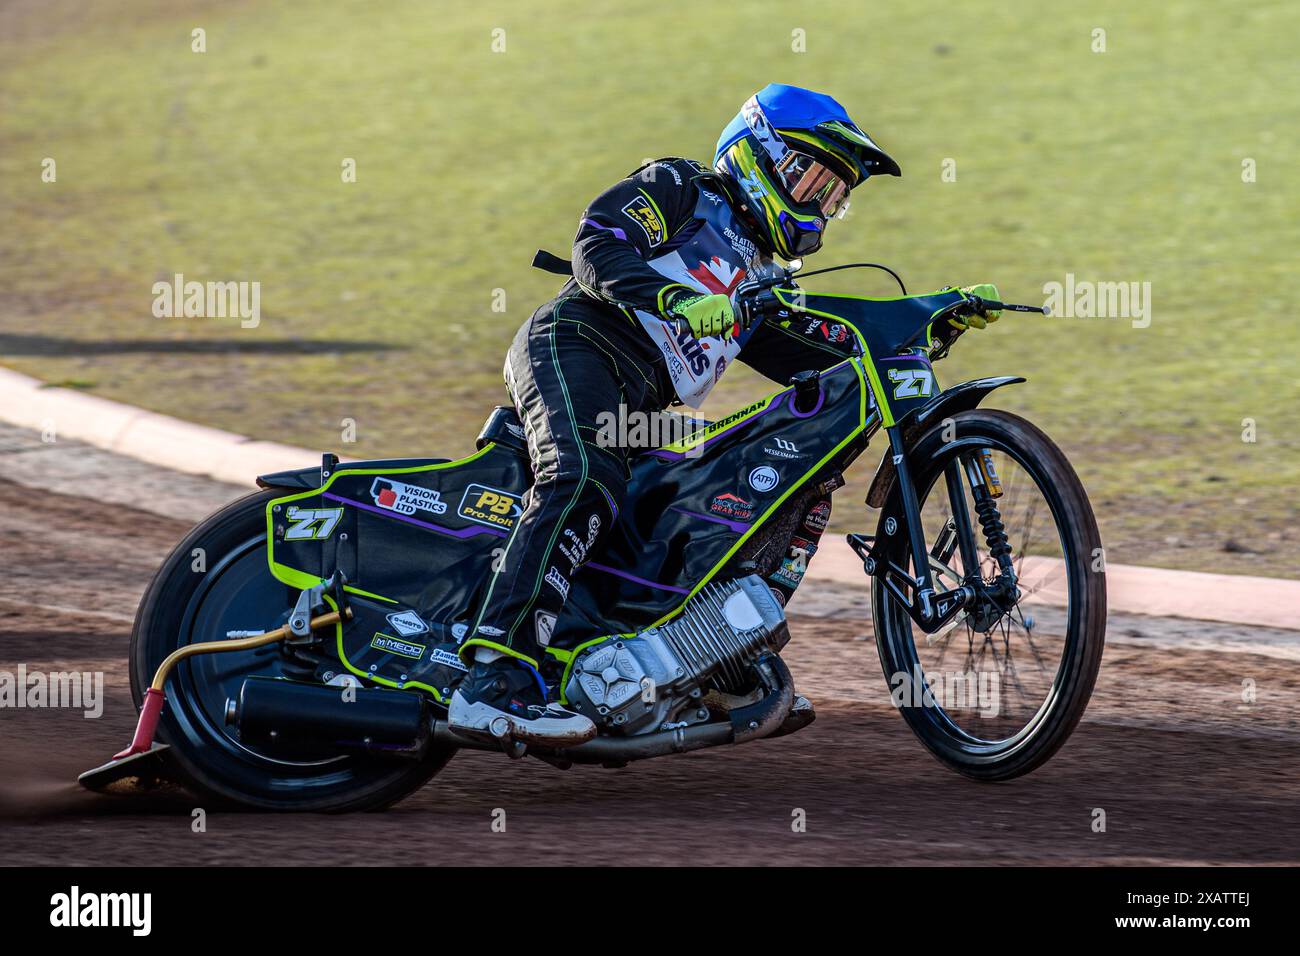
(587, 352)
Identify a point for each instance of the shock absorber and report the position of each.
(995, 534)
(1005, 592)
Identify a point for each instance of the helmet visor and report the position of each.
(808, 180)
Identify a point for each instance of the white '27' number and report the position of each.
(912, 382)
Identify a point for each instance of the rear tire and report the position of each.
(1083, 621)
(234, 590)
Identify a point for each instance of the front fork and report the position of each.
(932, 609)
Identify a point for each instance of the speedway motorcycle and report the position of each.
(307, 663)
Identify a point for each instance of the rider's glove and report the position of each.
(705, 314)
(987, 291)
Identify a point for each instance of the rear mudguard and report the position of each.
(300, 479)
(501, 428)
(959, 398)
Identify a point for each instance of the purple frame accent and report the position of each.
(632, 577)
(740, 527)
(613, 508)
(462, 533)
(614, 229)
(821, 400)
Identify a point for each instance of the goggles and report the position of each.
(808, 180)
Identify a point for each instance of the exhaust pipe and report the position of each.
(295, 717)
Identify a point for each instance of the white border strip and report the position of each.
(1130, 589)
(148, 436)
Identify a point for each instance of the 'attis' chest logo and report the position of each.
(718, 276)
(641, 212)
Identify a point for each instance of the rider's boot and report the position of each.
(503, 700)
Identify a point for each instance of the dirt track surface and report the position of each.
(1184, 771)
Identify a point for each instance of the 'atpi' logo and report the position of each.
(406, 499)
(489, 506)
(764, 478)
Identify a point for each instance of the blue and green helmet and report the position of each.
(794, 155)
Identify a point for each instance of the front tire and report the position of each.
(1050, 684)
(217, 580)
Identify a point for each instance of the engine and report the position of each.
(655, 680)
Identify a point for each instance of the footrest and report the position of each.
(862, 545)
(149, 765)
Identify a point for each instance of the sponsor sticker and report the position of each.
(783, 448)
(795, 564)
(798, 544)
(641, 212)
(556, 580)
(406, 499)
(817, 517)
(440, 655)
(407, 623)
(834, 332)
(489, 506)
(544, 624)
(732, 506)
(764, 478)
(393, 645)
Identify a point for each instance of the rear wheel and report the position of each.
(216, 581)
(999, 689)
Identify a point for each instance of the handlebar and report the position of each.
(981, 306)
(756, 300)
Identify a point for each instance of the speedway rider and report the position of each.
(670, 242)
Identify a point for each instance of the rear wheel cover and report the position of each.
(217, 580)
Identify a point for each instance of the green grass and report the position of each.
(377, 296)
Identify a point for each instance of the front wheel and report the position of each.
(995, 692)
(217, 581)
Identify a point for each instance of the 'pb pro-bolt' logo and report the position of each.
(489, 506)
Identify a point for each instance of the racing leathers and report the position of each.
(671, 230)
